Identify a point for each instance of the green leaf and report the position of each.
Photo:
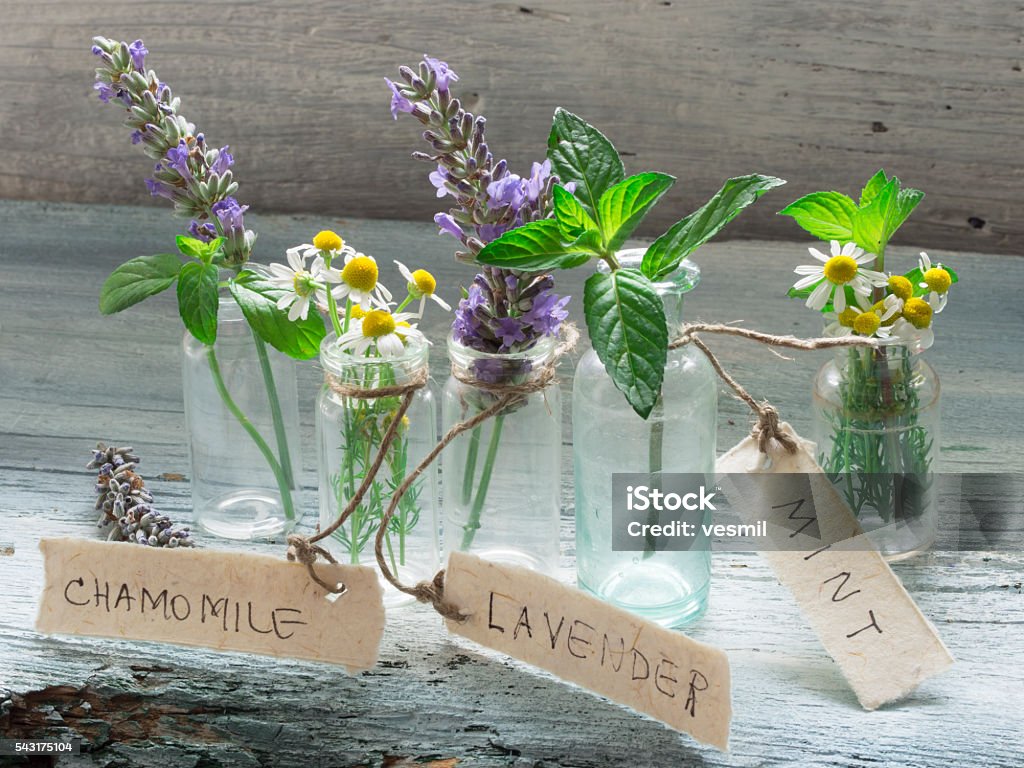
(138, 279)
(533, 247)
(258, 299)
(626, 321)
(573, 221)
(582, 154)
(906, 201)
(198, 299)
(683, 238)
(826, 215)
(873, 187)
(191, 246)
(872, 222)
(622, 207)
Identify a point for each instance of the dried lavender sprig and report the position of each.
(124, 504)
(504, 310)
(196, 178)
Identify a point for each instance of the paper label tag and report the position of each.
(532, 617)
(228, 601)
(859, 609)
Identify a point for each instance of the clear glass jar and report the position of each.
(876, 424)
(668, 587)
(349, 434)
(502, 479)
(242, 416)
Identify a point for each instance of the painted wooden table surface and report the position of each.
(69, 377)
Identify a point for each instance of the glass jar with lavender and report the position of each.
(502, 485)
(668, 587)
(242, 416)
(350, 428)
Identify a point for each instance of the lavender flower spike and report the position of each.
(192, 175)
(504, 311)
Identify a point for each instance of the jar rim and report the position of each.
(336, 360)
(684, 279)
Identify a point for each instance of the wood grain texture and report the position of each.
(69, 377)
(821, 94)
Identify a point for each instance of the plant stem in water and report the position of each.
(485, 480)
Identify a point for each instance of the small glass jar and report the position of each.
(876, 424)
(667, 587)
(349, 431)
(242, 416)
(502, 486)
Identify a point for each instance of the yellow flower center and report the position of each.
(918, 313)
(398, 329)
(901, 287)
(377, 323)
(423, 282)
(360, 273)
(302, 283)
(840, 269)
(881, 309)
(847, 316)
(866, 323)
(358, 312)
(328, 241)
(938, 279)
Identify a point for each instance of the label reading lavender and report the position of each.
(227, 601)
(662, 673)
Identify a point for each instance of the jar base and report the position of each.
(244, 515)
(635, 588)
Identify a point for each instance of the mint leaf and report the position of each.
(683, 238)
(871, 223)
(826, 215)
(258, 299)
(198, 299)
(875, 185)
(191, 246)
(582, 154)
(906, 201)
(138, 279)
(533, 247)
(573, 221)
(626, 322)
(622, 207)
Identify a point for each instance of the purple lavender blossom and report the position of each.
(224, 161)
(104, 91)
(205, 231)
(438, 179)
(547, 313)
(138, 53)
(398, 102)
(445, 76)
(509, 330)
(177, 159)
(159, 189)
(506, 191)
(448, 225)
(136, 137)
(229, 213)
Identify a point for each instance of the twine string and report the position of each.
(766, 428)
(304, 548)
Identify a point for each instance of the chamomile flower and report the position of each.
(866, 319)
(422, 285)
(301, 285)
(381, 331)
(359, 281)
(830, 278)
(937, 280)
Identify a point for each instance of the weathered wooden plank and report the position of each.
(821, 95)
(70, 378)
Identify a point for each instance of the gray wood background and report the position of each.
(819, 93)
(69, 377)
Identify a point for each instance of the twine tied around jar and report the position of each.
(304, 549)
(766, 428)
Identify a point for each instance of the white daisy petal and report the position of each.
(296, 310)
(286, 300)
(441, 302)
(295, 261)
(809, 269)
(818, 254)
(840, 299)
(834, 247)
(803, 282)
(280, 270)
(864, 258)
(849, 249)
(820, 295)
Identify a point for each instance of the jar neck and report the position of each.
(373, 372)
(671, 289)
(500, 368)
